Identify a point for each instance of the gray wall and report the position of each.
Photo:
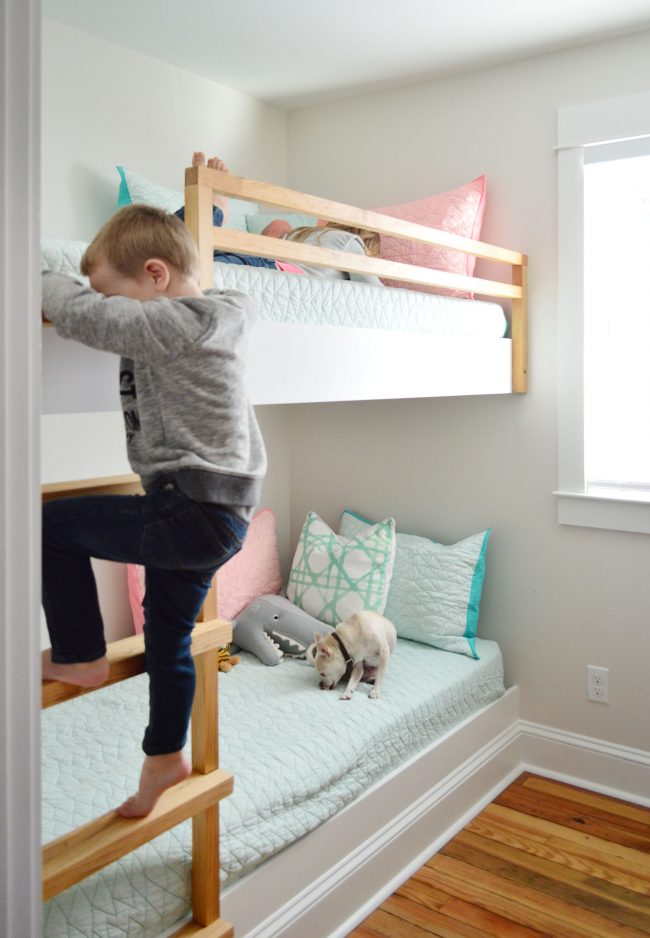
(556, 598)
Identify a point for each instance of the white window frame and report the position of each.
(581, 126)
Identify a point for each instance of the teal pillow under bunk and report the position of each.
(435, 590)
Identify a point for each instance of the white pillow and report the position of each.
(333, 577)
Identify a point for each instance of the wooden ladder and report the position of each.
(72, 857)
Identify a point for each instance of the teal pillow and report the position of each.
(137, 189)
(435, 590)
(257, 223)
(333, 577)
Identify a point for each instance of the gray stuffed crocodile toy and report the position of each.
(271, 627)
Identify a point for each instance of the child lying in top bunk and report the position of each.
(328, 235)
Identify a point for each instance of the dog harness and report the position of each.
(346, 657)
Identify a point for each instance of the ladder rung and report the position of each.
(218, 929)
(101, 485)
(72, 857)
(126, 659)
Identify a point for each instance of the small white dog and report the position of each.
(364, 641)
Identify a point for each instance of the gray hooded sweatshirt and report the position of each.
(182, 384)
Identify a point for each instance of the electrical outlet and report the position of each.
(598, 684)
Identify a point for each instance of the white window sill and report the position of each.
(613, 512)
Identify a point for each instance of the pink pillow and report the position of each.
(459, 211)
(135, 585)
(253, 572)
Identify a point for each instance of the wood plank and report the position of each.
(613, 856)
(579, 889)
(219, 929)
(512, 873)
(522, 904)
(69, 859)
(126, 659)
(391, 926)
(295, 252)
(205, 758)
(601, 824)
(604, 803)
(198, 218)
(364, 931)
(489, 922)
(558, 852)
(424, 893)
(268, 194)
(128, 484)
(519, 330)
(429, 920)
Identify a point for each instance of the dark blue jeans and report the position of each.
(227, 257)
(181, 543)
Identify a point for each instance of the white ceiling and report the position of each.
(296, 52)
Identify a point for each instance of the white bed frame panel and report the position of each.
(327, 882)
(290, 363)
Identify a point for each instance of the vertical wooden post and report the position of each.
(519, 329)
(209, 610)
(205, 758)
(198, 218)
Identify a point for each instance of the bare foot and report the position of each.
(216, 163)
(158, 774)
(81, 673)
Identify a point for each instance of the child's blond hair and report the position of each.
(370, 238)
(134, 235)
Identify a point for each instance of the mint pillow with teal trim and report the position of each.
(139, 190)
(333, 577)
(256, 224)
(435, 590)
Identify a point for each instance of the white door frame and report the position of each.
(20, 338)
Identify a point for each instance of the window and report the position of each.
(604, 292)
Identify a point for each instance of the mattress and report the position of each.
(298, 755)
(297, 298)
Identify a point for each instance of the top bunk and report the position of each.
(329, 338)
(322, 339)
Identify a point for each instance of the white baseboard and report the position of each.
(595, 764)
(328, 882)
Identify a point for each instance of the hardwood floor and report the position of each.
(544, 858)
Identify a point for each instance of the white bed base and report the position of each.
(331, 879)
(290, 363)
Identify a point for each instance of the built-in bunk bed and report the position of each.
(334, 340)
(333, 803)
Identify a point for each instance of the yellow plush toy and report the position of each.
(226, 660)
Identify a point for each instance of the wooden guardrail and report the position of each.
(201, 182)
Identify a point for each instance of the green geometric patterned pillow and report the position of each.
(332, 576)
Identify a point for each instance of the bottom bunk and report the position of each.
(316, 780)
